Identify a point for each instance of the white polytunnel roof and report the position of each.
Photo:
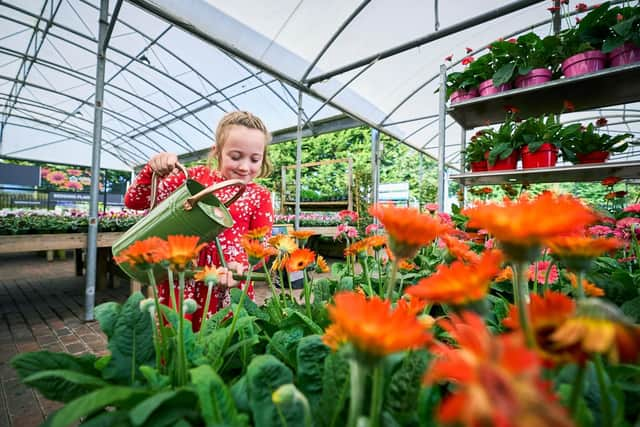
(174, 67)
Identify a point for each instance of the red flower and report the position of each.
(568, 106)
(448, 58)
(611, 180)
(581, 7)
(469, 50)
(512, 40)
(553, 9)
(601, 122)
(619, 17)
(468, 60)
(578, 20)
(510, 109)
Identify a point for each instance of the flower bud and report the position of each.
(189, 306)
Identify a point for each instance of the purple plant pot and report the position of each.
(534, 77)
(583, 63)
(487, 88)
(463, 95)
(628, 53)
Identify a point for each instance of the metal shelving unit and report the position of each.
(611, 86)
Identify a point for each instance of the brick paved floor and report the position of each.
(42, 307)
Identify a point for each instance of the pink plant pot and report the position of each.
(545, 157)
(628, 53)
(480, 166)
(583, 63)
(487, 88)
(509, 163)
(534, 77)
(593, 157)
(463, 95)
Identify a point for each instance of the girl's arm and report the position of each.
(138, 195)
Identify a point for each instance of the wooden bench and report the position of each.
(66, 241)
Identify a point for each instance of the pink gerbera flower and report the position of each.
(57, 177)
(543, 266)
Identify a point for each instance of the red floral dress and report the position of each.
(252, 210)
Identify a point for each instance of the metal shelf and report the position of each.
(611, 86)
(320, 203)
(577, 173)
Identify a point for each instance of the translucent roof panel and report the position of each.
(174, 67)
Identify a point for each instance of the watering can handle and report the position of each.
(193, 200)
(155, 179)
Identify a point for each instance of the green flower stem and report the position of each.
(293, 299)
(205, 312)
(379, 266)
(182, 357)
(607, 413)
(236, 313)
(307, 293)
(535, 278)
(376, 395)
(365, 270)
(223, 262)
(520, 286)
(172, 292)
(545, 287)
(162, 354)
(392, 280)
(282, 286)
(276, 296)
(358, 377)
(576, 390)
(579, 278)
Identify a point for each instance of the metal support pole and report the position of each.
(92, 235)
(375, 165)
(442, 128)
(463, 146)
(298, 160)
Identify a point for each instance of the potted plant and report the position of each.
(505, 150)
(462, 85)
(529, 61)
(484, 68)
(623, 42)
(587, 145)
(474, 153)
(581, 46)
(540, 140)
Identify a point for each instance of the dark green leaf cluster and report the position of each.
(578, 139)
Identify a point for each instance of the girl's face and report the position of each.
(242, 153)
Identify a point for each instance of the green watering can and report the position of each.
(192, 209)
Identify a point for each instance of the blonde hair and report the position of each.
(248, 120)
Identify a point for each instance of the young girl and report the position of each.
(240, 152)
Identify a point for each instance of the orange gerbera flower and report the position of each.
(578, 250)
(376, 242)
(257, 233)
(283, 243)
(522, 225)
(459, 283)
(600, 327)
(256, 251)
(356, 248)
(458, 249)
(373, 328)
(408, 229)
(302, 235)
(406, 265)
(334, 337)
(300, 259)
(505, 274)
(209, 275)
(322, 265)
(497, 379)
(181, 250)
(143, 253)
(547, 314)
(589, 288)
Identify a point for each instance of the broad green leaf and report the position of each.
(335, 390)
(311, 355)
(143, 410)
(216, 404)
(345, 284)
(131, 344)
(192, 349)
(283, 344)
(58, 388)
(402, 393)
(107, 314)
(107, 419)
(155, 380)
(309, 323)
(264, 375)
(428, 402)
(504, 74)
(292, 406)
(240, 394)
(89, 382)
(94, 401)
(632, 309)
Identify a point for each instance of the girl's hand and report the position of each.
(227, 278)
(163, 163)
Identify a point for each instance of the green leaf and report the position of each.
(309, 323)
(335, 390)
(240, 394)
(504, 74)
(55, 388)
(155, 380)
(632, 309)
(107, 314)
(131, 344)
(88, 382)
(292, 406)
(283, 344)
(311, 355)
(99, 399)
(345, 284)
(107, 419)
(144, 409)
(404, 387)
(264, 375)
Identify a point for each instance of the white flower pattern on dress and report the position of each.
(253, 209)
